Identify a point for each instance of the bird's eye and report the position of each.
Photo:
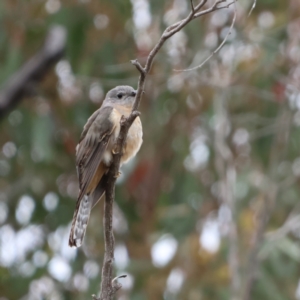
(120, 95)
(133, 94)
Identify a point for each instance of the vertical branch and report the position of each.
(109, 286)
(107, 289)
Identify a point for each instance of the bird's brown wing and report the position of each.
(88, 124)
(90, 150)
(89, 154)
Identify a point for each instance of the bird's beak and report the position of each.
(133, 94)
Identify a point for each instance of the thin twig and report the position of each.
(213, 7)
(192, 6)
(252, 8)
(220, 46)
(217, 8)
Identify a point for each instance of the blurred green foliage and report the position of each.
(221, 148)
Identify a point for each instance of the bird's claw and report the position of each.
(118, 175)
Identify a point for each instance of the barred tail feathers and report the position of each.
(80, 221)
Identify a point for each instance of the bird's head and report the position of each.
(123, 95)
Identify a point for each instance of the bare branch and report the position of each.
(170, 31)
(192, 6)
(200, 5)
(107, 289)
(223, 42)
(214, 7)
(252, 8)
(138, 66)
(180, 24)
(22, 82)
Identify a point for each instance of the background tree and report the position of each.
(209, 209)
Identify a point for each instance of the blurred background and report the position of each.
(209, 208)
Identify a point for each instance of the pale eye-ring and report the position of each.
(120, 95)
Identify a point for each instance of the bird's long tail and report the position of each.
(82, 215)
(80, 221)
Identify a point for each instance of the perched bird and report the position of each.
(94, 153)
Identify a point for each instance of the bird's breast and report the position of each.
(134, 140)
(132, 145)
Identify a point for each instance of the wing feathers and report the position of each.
(92, 147)
(91, 165)
(88, 124)
(89, 154)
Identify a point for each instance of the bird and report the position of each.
(94, 153)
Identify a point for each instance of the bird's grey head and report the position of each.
(122, 94)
